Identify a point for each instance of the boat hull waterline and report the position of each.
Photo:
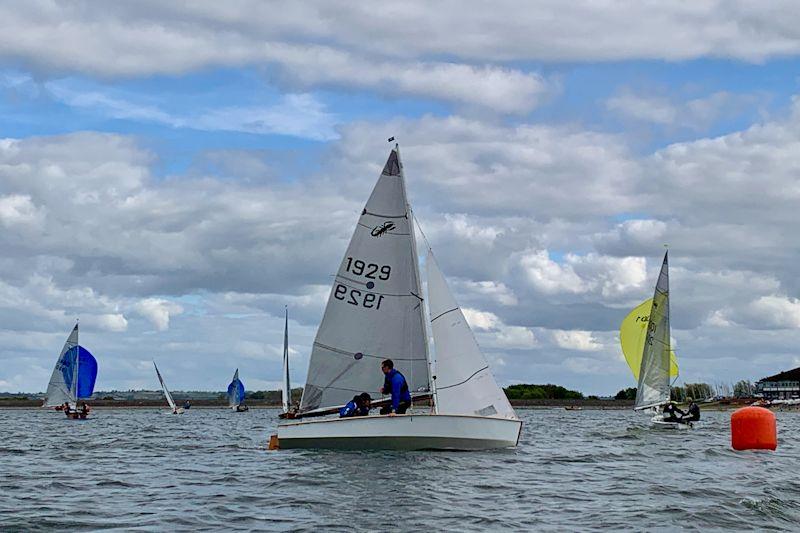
(659, 423)
(402, 432)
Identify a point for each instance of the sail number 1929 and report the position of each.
(369, 300)
(368, 270)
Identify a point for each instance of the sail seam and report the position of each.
(365, 212)
(374, 291)
(442, 314)
(461, 383)
(345, 352)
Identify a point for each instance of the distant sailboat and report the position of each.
(375, 311)
(236, 394)
(73, 377)
(175, 409)
(286, 390)
(645, 340)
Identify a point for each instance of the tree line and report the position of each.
(699, 391)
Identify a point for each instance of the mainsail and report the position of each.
(235, 391)
(167, 395)
(464, 383)
(374, 310)
(654, 373)
(286, 391)
(74, 375)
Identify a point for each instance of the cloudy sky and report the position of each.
(175, 174)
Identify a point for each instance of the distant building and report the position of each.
(783, 386)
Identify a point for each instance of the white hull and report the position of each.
(658, 422)
(402, 432)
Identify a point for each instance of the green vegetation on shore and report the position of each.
(527, 391)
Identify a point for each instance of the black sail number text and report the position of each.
(368, 270)
(370, 300)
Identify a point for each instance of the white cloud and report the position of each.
(548, 276)
(481, 320)
(18, 209)
(765, 312)
(300, 115)
(582, 341)
(112, 322)
(495, 334)
(693, 113)
(158, 311)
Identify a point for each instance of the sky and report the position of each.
(175, 174)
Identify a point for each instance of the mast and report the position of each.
(287, 389)
(77, 363)
(423, 319)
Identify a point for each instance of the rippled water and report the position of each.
(209, 469)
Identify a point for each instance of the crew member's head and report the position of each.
(364, 400)
(387, 365)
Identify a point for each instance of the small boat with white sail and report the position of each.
(73, 379)
(286, 389)
(175, 409)
(645, 340)
(236, 394)
(376, 311)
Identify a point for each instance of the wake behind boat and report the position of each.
(645, 340)
(73, 379)
(375, 311)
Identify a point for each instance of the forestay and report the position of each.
(464, 383)
(374, 310)
(74, 375)
(235, 391)
(167, 394)
(654, 382)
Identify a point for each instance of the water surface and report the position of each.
(210, 469)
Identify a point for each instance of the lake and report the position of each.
(209, 469)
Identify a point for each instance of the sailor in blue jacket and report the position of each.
(395, 383)
(358, 406)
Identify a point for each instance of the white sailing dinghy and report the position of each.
(73, 377)
(376, 311)
(286, 390)
(645, 340)
(175, 409)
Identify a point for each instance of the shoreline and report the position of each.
(576, 405)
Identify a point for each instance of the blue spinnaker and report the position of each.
(236, 392)
(87, 370)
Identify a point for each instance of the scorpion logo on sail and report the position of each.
(383, 229)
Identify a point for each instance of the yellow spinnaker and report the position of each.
(632, 335)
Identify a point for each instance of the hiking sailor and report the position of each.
(692, 414)
(671, 412)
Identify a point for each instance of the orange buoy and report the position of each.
(273, 442)
(754, 428)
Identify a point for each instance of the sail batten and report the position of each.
(373, 310)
